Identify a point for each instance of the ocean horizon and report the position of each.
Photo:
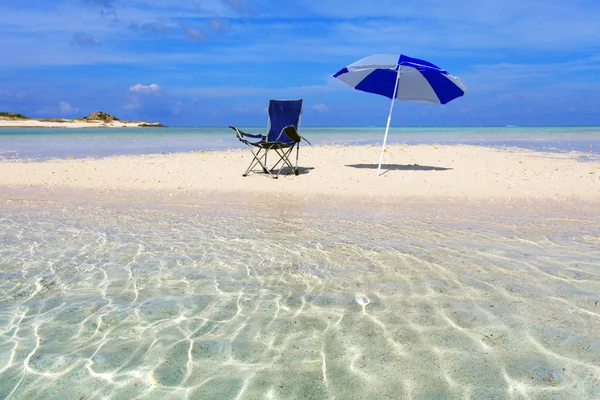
(48, 143)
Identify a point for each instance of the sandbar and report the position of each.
(426, 173)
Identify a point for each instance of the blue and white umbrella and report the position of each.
(402, 78)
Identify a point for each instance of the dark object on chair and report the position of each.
(282, 137)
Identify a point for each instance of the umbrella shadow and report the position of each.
(399, 167)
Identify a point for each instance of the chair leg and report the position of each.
(296, 172)
(264, 165)
(265, 170)
(281, 154)
(283, 159)
(260, 158)
(252, 162)
(256, 160)
(287, 160)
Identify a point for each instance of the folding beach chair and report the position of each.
(282, 137)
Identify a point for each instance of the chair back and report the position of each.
(283, 113)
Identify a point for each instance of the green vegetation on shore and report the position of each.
(10, 115)
(99, 116)
(152, 125)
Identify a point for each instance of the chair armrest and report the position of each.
(240, 134)
(291, 132)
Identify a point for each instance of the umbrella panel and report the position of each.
(380, 81)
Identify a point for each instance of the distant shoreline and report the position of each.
(97, 119)
(36, 123)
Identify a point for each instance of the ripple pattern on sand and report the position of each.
(211, 303)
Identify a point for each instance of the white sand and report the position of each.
(35, 123)
(426, 172)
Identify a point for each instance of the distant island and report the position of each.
(97, 119)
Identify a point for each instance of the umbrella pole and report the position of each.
(387, 127)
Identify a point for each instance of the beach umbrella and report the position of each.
(402, 78)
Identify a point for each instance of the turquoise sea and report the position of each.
(63, 143)
(230, 298)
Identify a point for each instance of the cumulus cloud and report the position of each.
(83, 39)
(320, 108)
(145, 97)
(152, 88)
(155, 27)
(66, 108)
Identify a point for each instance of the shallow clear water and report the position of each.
(65, 143)
(297, 301)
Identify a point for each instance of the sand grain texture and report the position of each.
(422, 171)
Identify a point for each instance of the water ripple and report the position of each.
(205, 303)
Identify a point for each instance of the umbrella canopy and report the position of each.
(402, 78)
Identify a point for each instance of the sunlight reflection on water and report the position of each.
(225, 302)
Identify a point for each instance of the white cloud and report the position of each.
(320, 108)
(139, 88)
(66, 108)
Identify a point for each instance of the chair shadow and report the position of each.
(301, 170)
(399, 167)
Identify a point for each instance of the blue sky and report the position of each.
(217, 62)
